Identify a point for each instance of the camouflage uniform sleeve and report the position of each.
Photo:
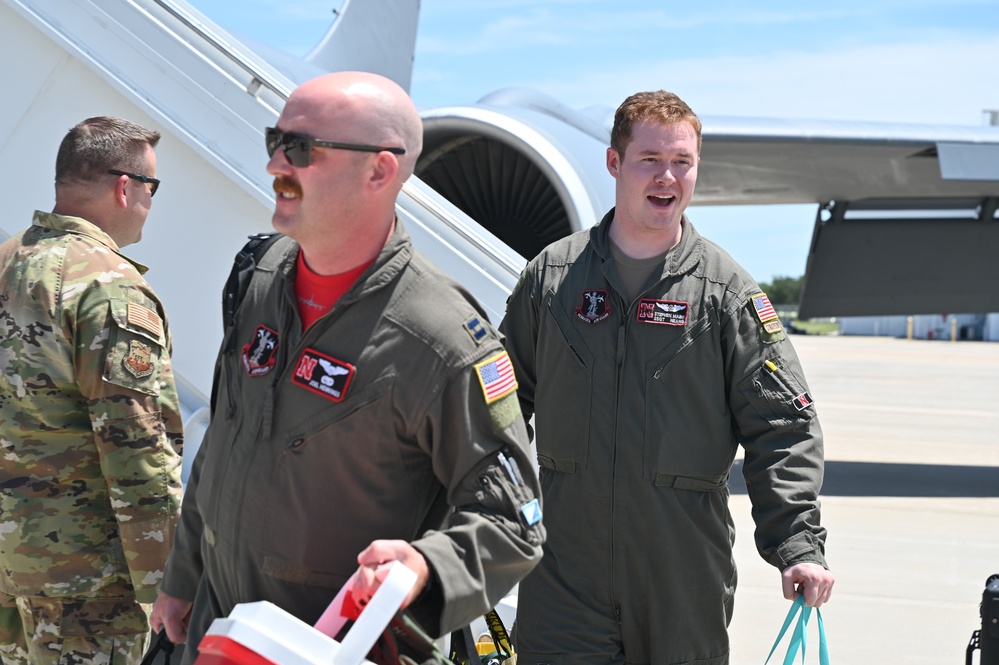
(123, 370)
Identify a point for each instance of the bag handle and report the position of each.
(798, 636)
(160, 643)
(372, 621)
(463, 648)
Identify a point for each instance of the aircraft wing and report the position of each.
(760, 160)
(906, 222)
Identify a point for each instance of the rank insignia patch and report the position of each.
(476, 328)
(323, 375)
(594, 307)
(663, 312)
(802, 401)
(139, 361)
(259, 355)
(496, 377)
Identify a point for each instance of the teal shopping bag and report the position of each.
(798, 637)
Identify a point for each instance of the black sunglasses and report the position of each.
(298, 147)
(144, 178)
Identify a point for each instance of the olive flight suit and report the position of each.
(393, 416)
(639, 409)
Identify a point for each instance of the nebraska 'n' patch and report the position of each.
(323, 375)
(663, 312)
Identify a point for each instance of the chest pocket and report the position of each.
(688, 436)
(136, 347)
(562, 417)
(352, 470)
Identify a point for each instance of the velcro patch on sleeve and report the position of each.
(476, 329)
(764, 310)
(771, 328)
(531, 512)
(802, 401)
(496, 377)
(145, 318)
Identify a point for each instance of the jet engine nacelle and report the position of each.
(524, 166)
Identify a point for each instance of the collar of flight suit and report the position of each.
(681, 259)
(391, 260)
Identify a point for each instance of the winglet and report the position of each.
(377, 36)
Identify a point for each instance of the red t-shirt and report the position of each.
(316, 294)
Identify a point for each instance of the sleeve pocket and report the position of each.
(777, 396)
(135, 347)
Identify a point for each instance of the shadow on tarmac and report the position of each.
(902, 480)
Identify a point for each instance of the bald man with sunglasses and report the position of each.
(366, 411)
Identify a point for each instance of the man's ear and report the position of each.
(613, 162)
(384, 170)
(120, 191)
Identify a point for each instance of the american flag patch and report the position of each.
(496, 377)
(144, 318)
(764, 310)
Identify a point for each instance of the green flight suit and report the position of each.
(386, 419)
(90, 437)
(639, 409)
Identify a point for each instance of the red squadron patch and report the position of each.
(323, 374)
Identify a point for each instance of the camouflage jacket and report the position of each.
(90, 425)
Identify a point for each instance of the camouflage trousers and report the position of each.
(72, 631)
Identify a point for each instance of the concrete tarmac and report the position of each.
(911, 502)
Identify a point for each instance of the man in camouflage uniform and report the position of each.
(90, 428)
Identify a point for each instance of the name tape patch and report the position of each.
(662, 312)
(323, 374)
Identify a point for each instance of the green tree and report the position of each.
(784, 291)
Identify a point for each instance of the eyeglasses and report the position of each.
(298, 147)
(144, 178)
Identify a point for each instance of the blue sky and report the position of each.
(909, 61)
